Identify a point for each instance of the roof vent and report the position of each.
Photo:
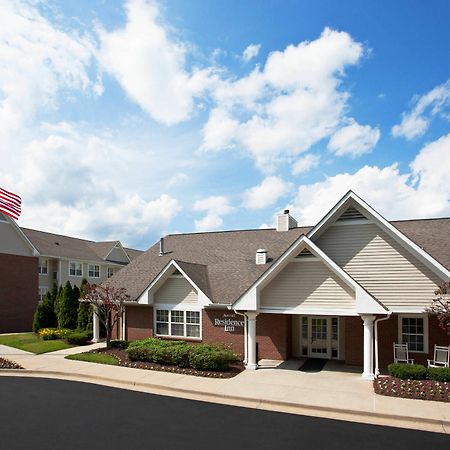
(305, 253)
(285, 221)
(56, 243)
(351, 213)
(161, 247)
(261, 256)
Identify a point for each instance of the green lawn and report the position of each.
(101, 358)
(30, 342)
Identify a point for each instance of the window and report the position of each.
(94, 271)
(43, 267)
(110, 272)
(413, 330)
(75, 269)
(178, 323)
(41, 292)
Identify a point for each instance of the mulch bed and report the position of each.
(7, 364)
(415, 389)
(122, 357)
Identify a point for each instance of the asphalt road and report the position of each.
(52, 414)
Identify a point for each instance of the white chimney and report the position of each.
(285, 221)
(261, 256)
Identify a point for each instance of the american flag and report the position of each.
(10, 204)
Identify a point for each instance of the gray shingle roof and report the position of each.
(224, 262)
(50, 244)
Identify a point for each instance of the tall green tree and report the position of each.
(44, 316)
(67, 306)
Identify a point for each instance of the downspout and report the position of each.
(245, 334)
(377, 369)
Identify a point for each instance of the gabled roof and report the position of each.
(229, 256)
(350, 199)
(59, 246)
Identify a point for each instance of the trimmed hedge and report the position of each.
(408, 371)
(439, 373)
(120, 343)
(181, 354)
(210, 357)
(79, 337)
(419, 372)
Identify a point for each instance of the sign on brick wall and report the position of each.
(229, 322)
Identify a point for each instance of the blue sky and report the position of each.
(130, 120)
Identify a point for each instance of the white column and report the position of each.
(95, 327)
(124, 329)
(368, 347)
(252, 363)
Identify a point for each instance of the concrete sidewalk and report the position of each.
(330, 393)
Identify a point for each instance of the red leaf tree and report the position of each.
(109, 302)
(441, 306)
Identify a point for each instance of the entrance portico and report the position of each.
(333, 337)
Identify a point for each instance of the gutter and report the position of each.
(380, 319)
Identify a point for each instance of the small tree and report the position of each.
(441, 306)
(85, 310)
(109, 302)
(44, 316)
(67, 306)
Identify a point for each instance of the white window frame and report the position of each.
(93, 271)
(425, 330)
(42, 291)
(75, 275)
(110, 274)
(41, 266)
(177, 308)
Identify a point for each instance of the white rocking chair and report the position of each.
(441, 357)
(401, 354)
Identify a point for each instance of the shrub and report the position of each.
(439, 373)
(408, 371)
(140, 353)
(119, 343)
(44, 316)
(180, 354)
(85, 316)
(67, 306)
(78, 337)
(211, 357)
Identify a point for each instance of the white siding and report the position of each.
(117, 255)
(174, 291)
(380, 264)
(308, 284)
(11, 242)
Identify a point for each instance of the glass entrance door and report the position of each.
(319, 339)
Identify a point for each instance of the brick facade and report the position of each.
(139, 322)
(18, 292)
(274, 334)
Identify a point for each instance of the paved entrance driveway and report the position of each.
(55, 414)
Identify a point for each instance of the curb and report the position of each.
(421, 423)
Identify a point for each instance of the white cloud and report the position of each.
(416, 122)
(354, 140)
(423, 192)
(266, 193)
(251, 52)
(37, 62)
(151, 66)
(215, 207)
(76, 183)
(305, 164)
(279, 111)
